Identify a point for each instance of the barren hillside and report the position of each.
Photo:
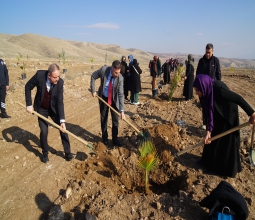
(36, 46)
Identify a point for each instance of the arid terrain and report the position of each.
(107, 183)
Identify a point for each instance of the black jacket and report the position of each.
(166, 68)
(225, 195)
(4, 77)
(39, 81)
(124, 69)
(135, 80)
(226, 102)
(214, 67)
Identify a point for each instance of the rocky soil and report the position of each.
(107, 183)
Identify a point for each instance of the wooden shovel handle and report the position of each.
(252, 135)
(213, 138)
(59, 127)
(118, 114)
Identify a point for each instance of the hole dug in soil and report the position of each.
(110, 184)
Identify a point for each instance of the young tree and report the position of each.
(148, 160)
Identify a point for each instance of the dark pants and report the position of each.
(2, 98)
(44, 131)
(126, 86)
(104, 109)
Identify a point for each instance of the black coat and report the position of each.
(222, 155)
(39, 81)
(213, 67)
(4, 77)
(188, 83)
(135, 80)
(154, 69)
(225, 195)
(166, 71)
(124, 68)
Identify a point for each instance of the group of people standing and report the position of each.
(219, 104)
(132, 81)
(220, 113)
(156, 70)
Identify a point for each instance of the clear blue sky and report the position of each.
(163, 26)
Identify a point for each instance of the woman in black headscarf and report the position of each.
(135, 82)
(166, 71)
(124, 72)
(220, 108)
(189, 78)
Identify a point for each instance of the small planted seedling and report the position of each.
(105, 58)
(23, 66)
(148, 160)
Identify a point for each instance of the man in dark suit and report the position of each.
(111, 90)
(48, 102)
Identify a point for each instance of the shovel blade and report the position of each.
(252, 157)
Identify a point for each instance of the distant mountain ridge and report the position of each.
(42, 47)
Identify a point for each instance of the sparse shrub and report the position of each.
(105, 58)
(62, 56)
(23, 66)
(19, 57)
(92, 61)
(232, 69)
(174, 82)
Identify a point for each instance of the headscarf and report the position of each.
(204, 84)
(190, 60)
(131, 58)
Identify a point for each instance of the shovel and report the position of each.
(145, 136)
(59, 127)
(213, 138)
(252, 152)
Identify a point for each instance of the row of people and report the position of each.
(48, 102)
(219, 104)
(220, 113)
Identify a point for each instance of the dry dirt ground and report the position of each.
(107, 183)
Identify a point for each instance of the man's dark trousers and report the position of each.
(104, 109)
(44, 131)
(2, 98)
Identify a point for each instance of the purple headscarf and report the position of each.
(204, 84)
